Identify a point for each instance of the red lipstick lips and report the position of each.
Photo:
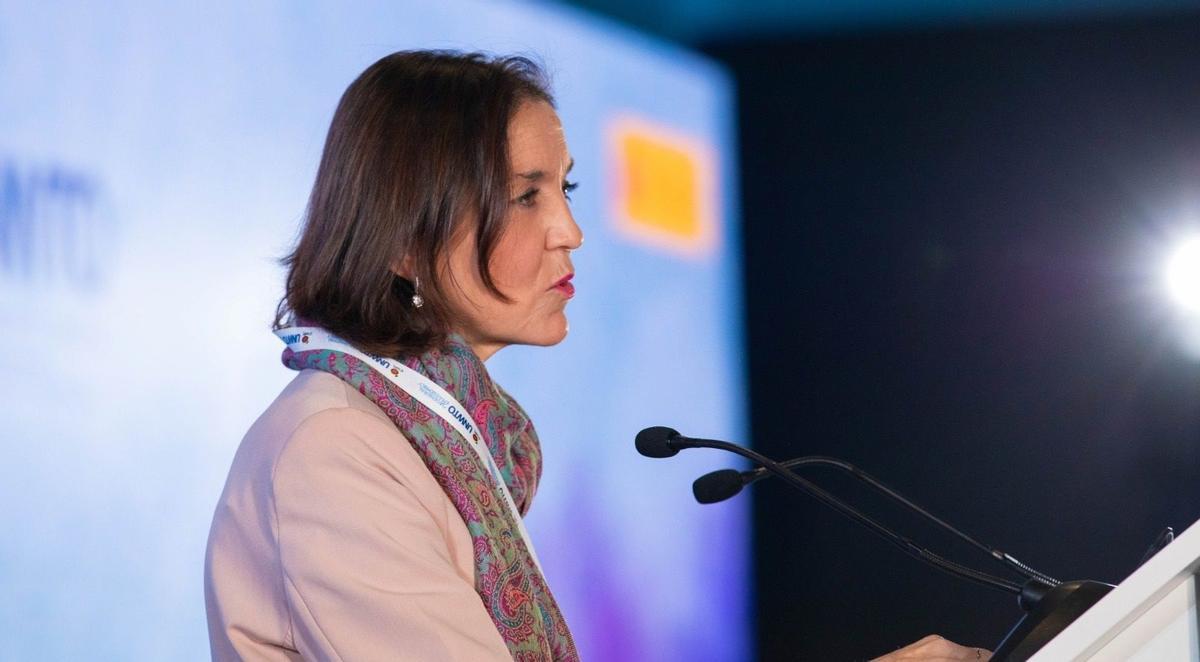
(565, 287)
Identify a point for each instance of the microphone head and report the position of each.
(718, 485)
(656, 442)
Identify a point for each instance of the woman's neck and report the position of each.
(483, 348)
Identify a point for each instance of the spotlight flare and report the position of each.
(1183, 275)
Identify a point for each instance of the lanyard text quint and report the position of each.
(436, 398)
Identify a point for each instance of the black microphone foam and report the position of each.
(656, 442)
(718, 485)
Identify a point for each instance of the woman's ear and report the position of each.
(402, 267)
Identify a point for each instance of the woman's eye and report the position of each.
(526, 198)
(567, 187)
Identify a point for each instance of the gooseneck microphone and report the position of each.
(662, 442)
(725, 483)
(1050, 605)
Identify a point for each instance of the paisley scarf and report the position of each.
(508, 581)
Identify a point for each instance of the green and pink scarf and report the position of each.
(507, 579)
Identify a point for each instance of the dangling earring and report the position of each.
(416, 298)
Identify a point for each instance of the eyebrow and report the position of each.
(537, 175)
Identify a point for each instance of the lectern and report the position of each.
(1149, 617)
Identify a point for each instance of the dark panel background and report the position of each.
(952, 246)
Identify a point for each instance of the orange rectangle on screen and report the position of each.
(663, 187)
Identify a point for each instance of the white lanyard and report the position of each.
(308, 338)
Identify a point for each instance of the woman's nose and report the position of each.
(565, 233)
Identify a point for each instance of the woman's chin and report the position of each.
(554, 333)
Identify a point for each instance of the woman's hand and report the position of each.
(933, 648)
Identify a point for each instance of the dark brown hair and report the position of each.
(417, 153)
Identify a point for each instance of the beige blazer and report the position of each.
(332, 541)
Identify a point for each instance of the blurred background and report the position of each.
(955, 243)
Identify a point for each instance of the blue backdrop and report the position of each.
(154, 164)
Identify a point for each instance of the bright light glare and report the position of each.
(1183, 275)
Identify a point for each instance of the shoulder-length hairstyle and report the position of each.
(417, 153)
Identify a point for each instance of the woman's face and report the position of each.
(531, 263)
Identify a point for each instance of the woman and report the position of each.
(357, 522)
(374, 510)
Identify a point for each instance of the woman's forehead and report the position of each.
(536, 140)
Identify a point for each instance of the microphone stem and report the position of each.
(1006, 559)
(905, 545)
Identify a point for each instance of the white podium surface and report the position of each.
(1149, 617)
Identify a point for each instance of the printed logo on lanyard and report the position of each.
(305, 339)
